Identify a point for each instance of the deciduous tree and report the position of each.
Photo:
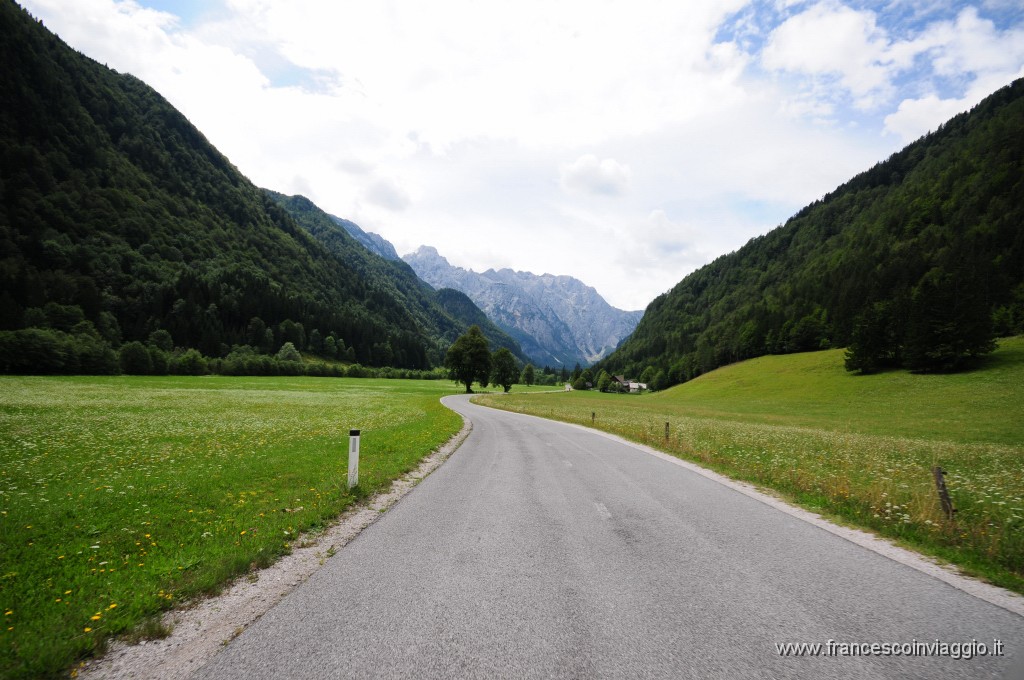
(504, 370)
(468, 360)
(288, 353)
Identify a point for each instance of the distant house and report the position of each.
(628, 385)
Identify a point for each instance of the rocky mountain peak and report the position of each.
(558, 320)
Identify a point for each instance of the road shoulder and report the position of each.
(201, 629)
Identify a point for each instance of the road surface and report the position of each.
(544, 550)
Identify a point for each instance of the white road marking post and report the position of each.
(353, 458)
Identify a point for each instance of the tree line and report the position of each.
(470, 360)
(61, 341)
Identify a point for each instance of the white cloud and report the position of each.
(842, 52)
(915, 117)
(830, 39)
(968, 49)
(973, 45)
(388, 194)
(654, 249)
(532, 70)
(842, 49)
(605, 177)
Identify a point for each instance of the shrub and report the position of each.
(93, 356)
(288, 353)
(189, 363)
(135, 359)
(158, 359)
(33, 351)
(161, 339)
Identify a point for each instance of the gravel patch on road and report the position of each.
(201, 629)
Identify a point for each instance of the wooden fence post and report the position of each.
(940, 485)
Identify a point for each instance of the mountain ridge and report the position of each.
(375, 243)
(557, 319)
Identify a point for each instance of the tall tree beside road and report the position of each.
(468, 359)
(504, 370)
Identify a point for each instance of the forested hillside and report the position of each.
(118, 220)
(917, 262)
(402, 295)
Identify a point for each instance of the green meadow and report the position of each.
(859, 449)
(121, 497)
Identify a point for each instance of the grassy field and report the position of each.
(857, 448)
(122, 496)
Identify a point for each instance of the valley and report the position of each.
(183, 354)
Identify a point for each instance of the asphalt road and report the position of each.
(543, 550)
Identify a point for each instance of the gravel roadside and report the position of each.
(200, 629)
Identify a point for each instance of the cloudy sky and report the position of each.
(622, 142)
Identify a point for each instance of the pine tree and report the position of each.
(949, 323)
(576, 373)
(876, 342)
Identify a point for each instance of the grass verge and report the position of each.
(122, 496)
(857, 448)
